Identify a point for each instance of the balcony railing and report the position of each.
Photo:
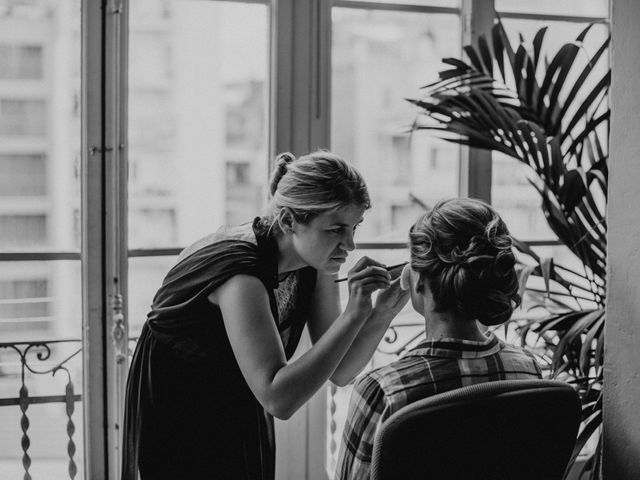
(24, 363)
(29, 361)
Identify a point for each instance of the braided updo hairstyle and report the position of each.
(462, 248)
(313, 184)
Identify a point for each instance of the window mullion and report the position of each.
(300, 77)
(116, 247)
(103, 232)
(475, 164)
(93, 274)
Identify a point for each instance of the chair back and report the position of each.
(502, 430)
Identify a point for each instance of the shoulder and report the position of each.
(368, 392)
(219, 256)
(240, 289)
(399, 375)
(241, 235)
(243, 284)
(386, 389)
(520, 359)
(214, 259)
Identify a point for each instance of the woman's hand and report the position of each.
(391, 301)
(366, 276)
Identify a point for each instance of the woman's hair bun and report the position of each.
(280, 169)
(463, 249)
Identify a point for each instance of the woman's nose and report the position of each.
(348, 243)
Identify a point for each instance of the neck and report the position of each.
(446, 325)
(288, 259)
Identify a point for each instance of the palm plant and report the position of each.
(553, 116)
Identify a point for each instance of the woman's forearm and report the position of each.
(296, 382)
(362, 349)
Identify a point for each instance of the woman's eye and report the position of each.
(336, 231)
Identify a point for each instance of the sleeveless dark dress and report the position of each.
(189, 413)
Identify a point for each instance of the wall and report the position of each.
(622, 363)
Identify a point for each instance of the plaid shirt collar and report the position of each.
(456, 348)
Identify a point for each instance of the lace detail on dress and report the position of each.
(286, 296)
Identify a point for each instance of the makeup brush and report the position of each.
(390, 267)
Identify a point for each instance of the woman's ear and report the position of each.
(405, 277)
(286, 220)
(417, 291)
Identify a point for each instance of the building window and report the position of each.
(23, 175)
(154, 227)
(23, 230)
(401, 157)
(21, 117)
(24, 299)
(21, 62)
(245, 114)
(238, 173)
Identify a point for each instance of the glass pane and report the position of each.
(589, 8)
(380, 58)
(39, 124)
(145, 278)
(40, 301)
(197, 118)
(427, 3)
(512, 195)
(40, 329)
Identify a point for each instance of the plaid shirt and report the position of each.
(430, 368)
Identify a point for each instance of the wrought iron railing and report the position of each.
(34, 359)
(30, 360)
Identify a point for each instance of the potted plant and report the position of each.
(553, 116)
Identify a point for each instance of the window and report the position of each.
(23, 230)
(201, 113)
(21, 117)
(22, 175)
(21, 62)
(401, 153)
(24, 302)
(155, 227)
(238, 173)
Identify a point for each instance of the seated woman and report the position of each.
(461, 274)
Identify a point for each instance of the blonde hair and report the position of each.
(313, 184)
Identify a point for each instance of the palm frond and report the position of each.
(553, 116)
